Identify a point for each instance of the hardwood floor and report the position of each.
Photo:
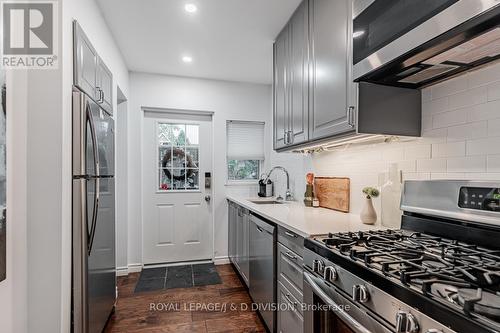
(185, 310)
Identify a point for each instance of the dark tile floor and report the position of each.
(177, 277)
(135, 312)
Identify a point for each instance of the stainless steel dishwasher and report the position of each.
(262, 268)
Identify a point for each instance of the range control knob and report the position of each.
(318, 266)
(360, 293)
(406, 323)
(330, 274)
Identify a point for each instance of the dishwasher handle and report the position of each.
(262, 226)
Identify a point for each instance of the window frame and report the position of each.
(243, 181)
(236, 182)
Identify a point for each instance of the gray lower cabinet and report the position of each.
(290, 320)
(314, 96)
(91, 74)
(290, 272)
(238, 239)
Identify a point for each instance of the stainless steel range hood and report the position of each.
(423, 46)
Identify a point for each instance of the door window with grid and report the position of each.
(178, 157)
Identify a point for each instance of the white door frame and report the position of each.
(186, 114)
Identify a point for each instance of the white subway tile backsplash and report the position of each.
(474, 130)
(451, 175)
(490, 110)
(484, 75)
(407, 166)
(494, 163)
(450, 118)
(460, 139)
(393, 154)
(449, 149)
(486, 146)
(468, 98)
(494, 91)
(494, 127)
(431, 165)
(435, 106)
(418, 152)
(483, 176)
(434, 136)
(450, 87)
(467, 164)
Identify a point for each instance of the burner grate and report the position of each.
(463, 274)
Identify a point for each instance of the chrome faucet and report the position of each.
(288, 194)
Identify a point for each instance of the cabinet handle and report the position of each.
(350, 116)
(285, 137)
(290, 255)
(294, 304)
(290, 137)
(289, 234)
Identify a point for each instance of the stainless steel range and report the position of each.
(440, 273)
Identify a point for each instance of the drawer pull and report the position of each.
(290, 255)
(289, 234)
(294, 304)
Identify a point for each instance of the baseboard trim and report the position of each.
(134, 268)
(221, 260)
(121, 271)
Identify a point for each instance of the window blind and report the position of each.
(245, 140)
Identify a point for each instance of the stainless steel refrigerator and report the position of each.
(94, 267)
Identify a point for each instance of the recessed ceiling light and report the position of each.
(190, 8)
(357, 34)
(187, 59)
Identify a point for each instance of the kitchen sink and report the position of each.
(267, 202)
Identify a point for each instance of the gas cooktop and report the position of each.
(462, 275)
(444, 261)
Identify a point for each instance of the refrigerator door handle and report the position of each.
(94, 216)
(90, 119)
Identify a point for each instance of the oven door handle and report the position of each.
(348, 320)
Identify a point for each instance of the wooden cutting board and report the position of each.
(333, 193)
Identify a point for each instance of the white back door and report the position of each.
(177, 212)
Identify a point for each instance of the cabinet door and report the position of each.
(231, 231)
(105, 87)
(244, 259)
(289, 318)
(297, 74)
(85, 61)
(239, 238)
(330, 81)
(280, 95)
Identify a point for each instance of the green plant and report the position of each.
(371, 192)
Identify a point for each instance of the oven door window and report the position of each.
(326, 321)
(386, 20)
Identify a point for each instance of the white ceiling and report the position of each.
(227, 39)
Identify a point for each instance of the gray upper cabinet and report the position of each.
(105, 87)
(91, 75)
(291, 81)
(85, 63)
(313, 89)
(298, 75)
(331, 82)
(279, 94)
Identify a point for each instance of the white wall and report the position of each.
(460, 140)
(228, 100)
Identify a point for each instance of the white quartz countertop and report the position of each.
(305, 221)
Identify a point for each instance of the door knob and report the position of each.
(207, 198)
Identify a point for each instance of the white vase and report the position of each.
(368, 214)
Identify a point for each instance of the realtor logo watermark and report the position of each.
(29, 34)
